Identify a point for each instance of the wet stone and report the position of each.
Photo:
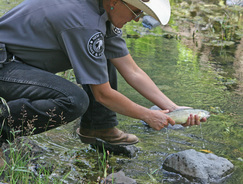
(199, 167)
(119, 178)
(26, 147)
(29, 151)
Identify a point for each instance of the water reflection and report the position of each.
(198, 70)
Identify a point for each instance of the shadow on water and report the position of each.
(197, 61)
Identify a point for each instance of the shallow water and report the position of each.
(192, 70)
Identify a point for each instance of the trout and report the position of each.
(180, 116)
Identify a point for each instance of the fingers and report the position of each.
(164, 111)
(171, 121)
(161, 120)
(193, 120)
(203, 119)
(197, 120)
(159, 126)
(187, 122)
(162, 126)
(165, 123)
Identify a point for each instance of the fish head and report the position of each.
(203, 114)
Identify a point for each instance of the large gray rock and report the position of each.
(199, 167)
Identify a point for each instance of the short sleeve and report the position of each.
(85, 49)
(115, 45)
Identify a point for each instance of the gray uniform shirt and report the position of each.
(56, 35)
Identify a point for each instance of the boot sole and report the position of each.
(95, 140)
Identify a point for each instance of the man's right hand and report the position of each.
(158, 119)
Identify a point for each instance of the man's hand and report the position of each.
(192, 120)
(158, 119)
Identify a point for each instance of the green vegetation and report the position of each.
(198, 72)
(18, 165)
(103, 163)
(6, 5)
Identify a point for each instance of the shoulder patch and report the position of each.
(116, 30)
(96, 45)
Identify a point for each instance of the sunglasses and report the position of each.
(137, 15)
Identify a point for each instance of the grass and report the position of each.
(17, 167)
(103, 161)
(18, 163)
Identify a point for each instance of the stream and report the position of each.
(197, 61)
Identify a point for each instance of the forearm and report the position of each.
(119, 103)
(140, 81)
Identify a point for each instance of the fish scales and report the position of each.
(180, 116)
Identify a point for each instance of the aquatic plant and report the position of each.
(103, 163)
(18, 165)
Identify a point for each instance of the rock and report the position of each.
(119, 178)
(27, 148)
(129, 150)
(29, 151)
(150, 22)
(199, 167)
(234, 2)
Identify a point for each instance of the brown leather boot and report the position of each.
(113, 136)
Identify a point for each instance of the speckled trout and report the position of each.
(180, 116)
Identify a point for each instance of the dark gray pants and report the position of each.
(39, 101)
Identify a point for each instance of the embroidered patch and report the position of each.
(96, 45)
(116, 30)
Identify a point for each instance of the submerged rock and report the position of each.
(199, 167)
(119, 178)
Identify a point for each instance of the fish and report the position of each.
(180, 116)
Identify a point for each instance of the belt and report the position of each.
(9, 58)
(6, 57)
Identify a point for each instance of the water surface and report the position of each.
(194, 66)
